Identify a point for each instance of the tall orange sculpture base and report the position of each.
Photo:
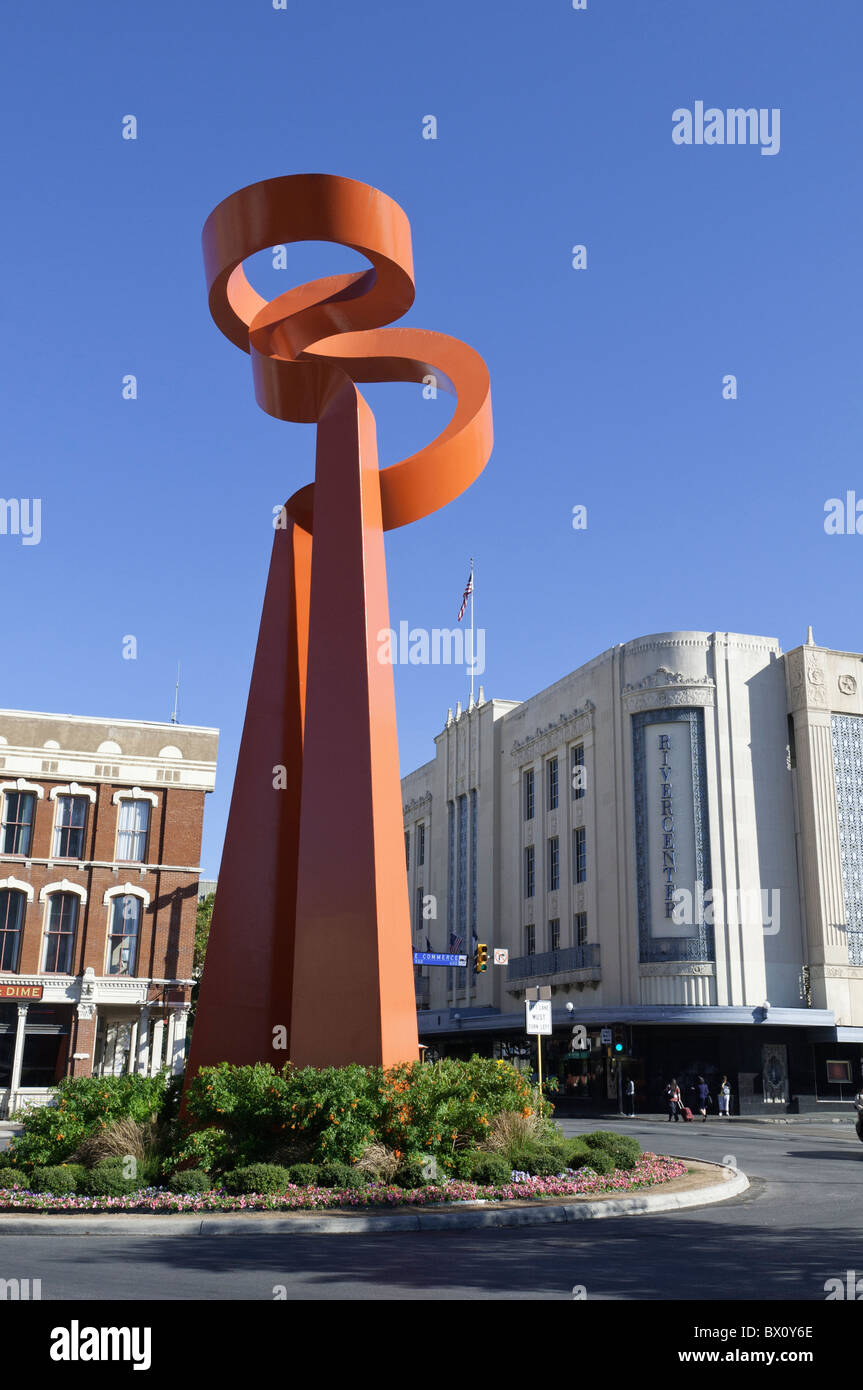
(247, 985)
(310, 941)
(354, 998)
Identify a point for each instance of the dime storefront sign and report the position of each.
(20, 991)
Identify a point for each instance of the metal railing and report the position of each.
(555, 962)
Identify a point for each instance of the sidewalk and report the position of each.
(712, 1117)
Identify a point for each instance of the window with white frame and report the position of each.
(554, 934)
(60, 928)
(421, 845)
(69, 827)
(124, 933)
(16, 833)
(579, 923)
(12, 909)
(133, 824)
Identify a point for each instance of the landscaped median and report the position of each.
(461, 1142)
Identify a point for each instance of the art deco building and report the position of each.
(671, 839)
(100, 838)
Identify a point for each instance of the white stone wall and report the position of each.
(763, 817)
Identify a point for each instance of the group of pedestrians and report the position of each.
(676, 1108)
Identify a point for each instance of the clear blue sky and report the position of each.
(554, 128)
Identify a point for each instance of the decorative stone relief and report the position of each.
(686, 697)
(847, 738)
(664, 676)
(568, 726)
(674, 967)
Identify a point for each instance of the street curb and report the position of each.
(339, 1223)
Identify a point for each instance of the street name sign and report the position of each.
(438, 958)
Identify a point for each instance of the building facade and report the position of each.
(671, 839)
(100, 838)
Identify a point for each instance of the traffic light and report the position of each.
(619, 1039)
(481, 958)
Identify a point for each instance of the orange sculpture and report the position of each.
(311, 928)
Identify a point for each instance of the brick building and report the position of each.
(100, 838)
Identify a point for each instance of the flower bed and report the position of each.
(650, 1171)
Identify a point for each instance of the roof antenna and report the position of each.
(174, 719)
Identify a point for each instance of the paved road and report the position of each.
(800, 1224)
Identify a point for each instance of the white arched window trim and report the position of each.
(127, 890)
(134, 794)
(63, 886)
(16, 885)
(73, 789)
(22, 785)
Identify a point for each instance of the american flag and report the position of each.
(455, 943)
(469, 590)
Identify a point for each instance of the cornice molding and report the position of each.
(578, 721)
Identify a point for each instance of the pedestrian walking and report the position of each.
(629, 1092)
(703, 1098)
(725, 1098)
(672, 1096)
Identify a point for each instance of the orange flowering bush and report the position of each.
(444, 1108)
(441, 1109)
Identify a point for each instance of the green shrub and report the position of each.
(490, 1170)
(85, 1104)
(625, 1150)
(601, 1162)
(541, 1161)
(57, 1179)
(305, 1174)
(108, 1179)
(190, 1180)
(410, 1172)
(340, 1175)
(257, 1177)
(577, 1153)
(213, 1150)
(439, 1109)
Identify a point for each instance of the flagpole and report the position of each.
(472, 634)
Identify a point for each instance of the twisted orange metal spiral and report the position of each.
(307, 341)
